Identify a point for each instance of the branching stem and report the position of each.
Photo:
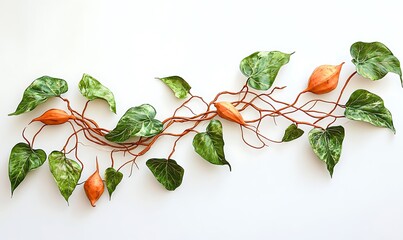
(264, 104)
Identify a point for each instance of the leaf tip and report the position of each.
(330, 169)
(113, 109)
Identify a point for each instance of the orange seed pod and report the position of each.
(324, 79)
(227, 111)
(94, 187)
(54, 117)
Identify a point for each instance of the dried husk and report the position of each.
(227, 111)
(54, 117)
(94, 187)
(324, 79)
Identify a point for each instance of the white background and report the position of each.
(281, 192)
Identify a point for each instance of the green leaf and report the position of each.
(66, 173)
(210, 144)
(178, 85)
(92, 89)
(374, 60)
(292, 133)
(327, 145)
(167, 172)
(137, 121)
(112, 179)
(368, 107)
(22, 160)
(261, 68)
(39, 91)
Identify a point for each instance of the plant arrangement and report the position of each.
(138, 129)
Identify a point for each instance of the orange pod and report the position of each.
(94, 187)
(227, 111)
(54, 117)
(324, 79)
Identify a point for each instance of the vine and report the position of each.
(138, 129)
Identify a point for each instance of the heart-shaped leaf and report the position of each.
(92, 89)
(39, 91)
(137, 121)
(368, 107)
(261, 68)
(167, 172)
(327, 145)
(112, 179)
(22, 160)
(374, 60)
(66, 173)
(178, 85)
(210, 144)
(292, 133)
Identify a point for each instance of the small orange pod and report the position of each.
(324, 79)
(227, 111)
(54, 117)
(94, 187)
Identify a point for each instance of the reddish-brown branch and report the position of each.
(26, 139)
(249, 144)
(264, 104)
(339, 98)
(124, 164)
(76, 147)
(292, 104)
(36, 134)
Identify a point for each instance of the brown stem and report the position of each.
(292, 104)
(339, 98)
(250, 145)
(26, 139)
(36, 134)
(76, 147)
(271, 107)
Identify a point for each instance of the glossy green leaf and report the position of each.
(327, 145)
(368, 107)
(167, 172)
(178, 85)
(112, 179)
(374, 60)
(210, 144)
(22, 160)
(66, 173)
(292, 133)
(92, 89)
(39, 91)
(137, 121)
(261, 68)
